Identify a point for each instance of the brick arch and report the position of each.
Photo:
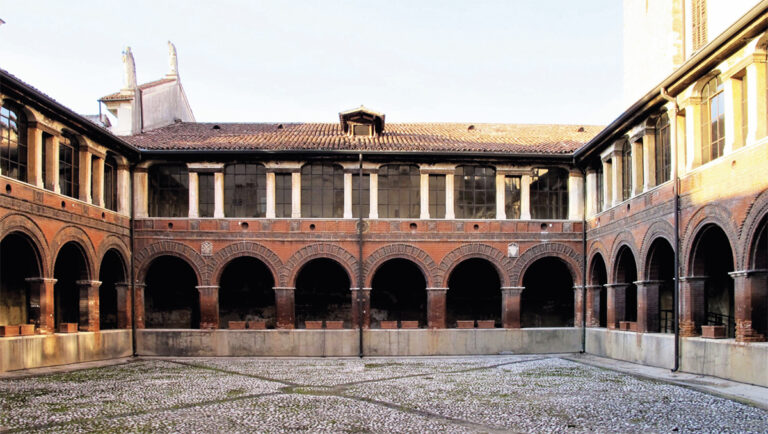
(708, 214)
(400, 251)
(758, 211)
(78, 236)
(293, 265)
(143, 259)
(113, 242)
(24, 225)
(223, 257)
(595, 250)
(659, 229)
(570, 257)
(468, 251)
(623, 239)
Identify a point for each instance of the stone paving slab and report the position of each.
(449, 394)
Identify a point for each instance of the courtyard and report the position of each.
(517, 393)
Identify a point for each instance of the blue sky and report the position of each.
(513, 61)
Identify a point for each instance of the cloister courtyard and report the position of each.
(505, 393)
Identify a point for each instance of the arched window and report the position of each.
(399, 187)
(69, 166)
(663, 153)
(322, 190)
(168, 190)
(110, 183)
(549, 194)
(13, 143)
(626, 171)
(245, 190)
(713, 120)
(475, 192)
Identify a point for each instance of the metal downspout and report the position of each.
(676, 199)
(584, 268)
(360, 312)
(133, 263)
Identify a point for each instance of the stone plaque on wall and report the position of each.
(206, 248)
(513, 250)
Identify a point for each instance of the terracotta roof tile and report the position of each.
(437, 137)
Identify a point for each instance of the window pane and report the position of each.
(168, 191)
(399, 191)
(512, 196)
(549, 194)
(206, 192)
(322, 191)
(475, 192)
(245, 192)
(437, 196)
(361, 195)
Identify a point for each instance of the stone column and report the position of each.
(194, 194)
(365, 302)
(124, 309)
(692, 305)
(578, 305)
(648, 313)
(525, 197)
(285, 307)
(347, 195)
(501, 211)
(751, 305)
(141, 192)
(575, 195)
(729, 92)
(607, 184)
(616, 299)
(138, 304)
(757, 113)
(593, 305)
(98, 181)
(436, 307)
(218, 195)
(270, 195)
(41, 304)
(450, 214)
(424, 196)
(52, 165)
(373, 196)
(616, 177)
(85, 175)
(123, 189)
(510, 306)
(35, 156)
(209, 306)
(649, 152)
(637, 167)
(89, 305)
(591, 199)
(296, 195)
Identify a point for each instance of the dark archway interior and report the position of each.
(661, 267)
(398, 293)
(760, 262)
(474, 292)
(110, 272)
(18, 261)
(626, 272)
(713, 258)
(547, 300)
(171, 299)
(70, 267)
(600, 278)
(245, 292)
(322, 293)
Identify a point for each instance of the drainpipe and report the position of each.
(676, 190)
(133, 264)
(360, 313)
(584, 267)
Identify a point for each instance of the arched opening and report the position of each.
(70, 267)
(112, 271)
(713, 258)
(547, 300)
(661, 268)
(759, 294)
(398, 293)
(322, 293)
(474, 292)
(245, 292)
(18, 261)
(171, 299)
(598, 278)
(626, 273)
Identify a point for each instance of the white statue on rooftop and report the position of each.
(173, 61)
(129, 80)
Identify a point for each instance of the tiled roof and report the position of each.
(436, 137)
(119, 96)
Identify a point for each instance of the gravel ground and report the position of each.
(466, 394)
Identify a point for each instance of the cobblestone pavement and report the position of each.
(460, 394)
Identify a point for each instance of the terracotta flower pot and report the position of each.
(486, 324)
(334, 325)
(713, 331)
(7, 331)
(258, 324)
(313, 325)
(389, 324)
(465, 324)
(68, 327)
(27, 329)
(409, 324)
(236, 325)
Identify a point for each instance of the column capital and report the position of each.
(284, 288)
(594, 287)
(747, 273)
(436, 289)
(88, 282)
(648, 282)
(120, 284)
(512, 290)
(616, 285)
(139, 285)
(694, 278)
(41, 280)
(207, 287)
(358, 289)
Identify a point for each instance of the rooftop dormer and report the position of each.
(362, 122)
